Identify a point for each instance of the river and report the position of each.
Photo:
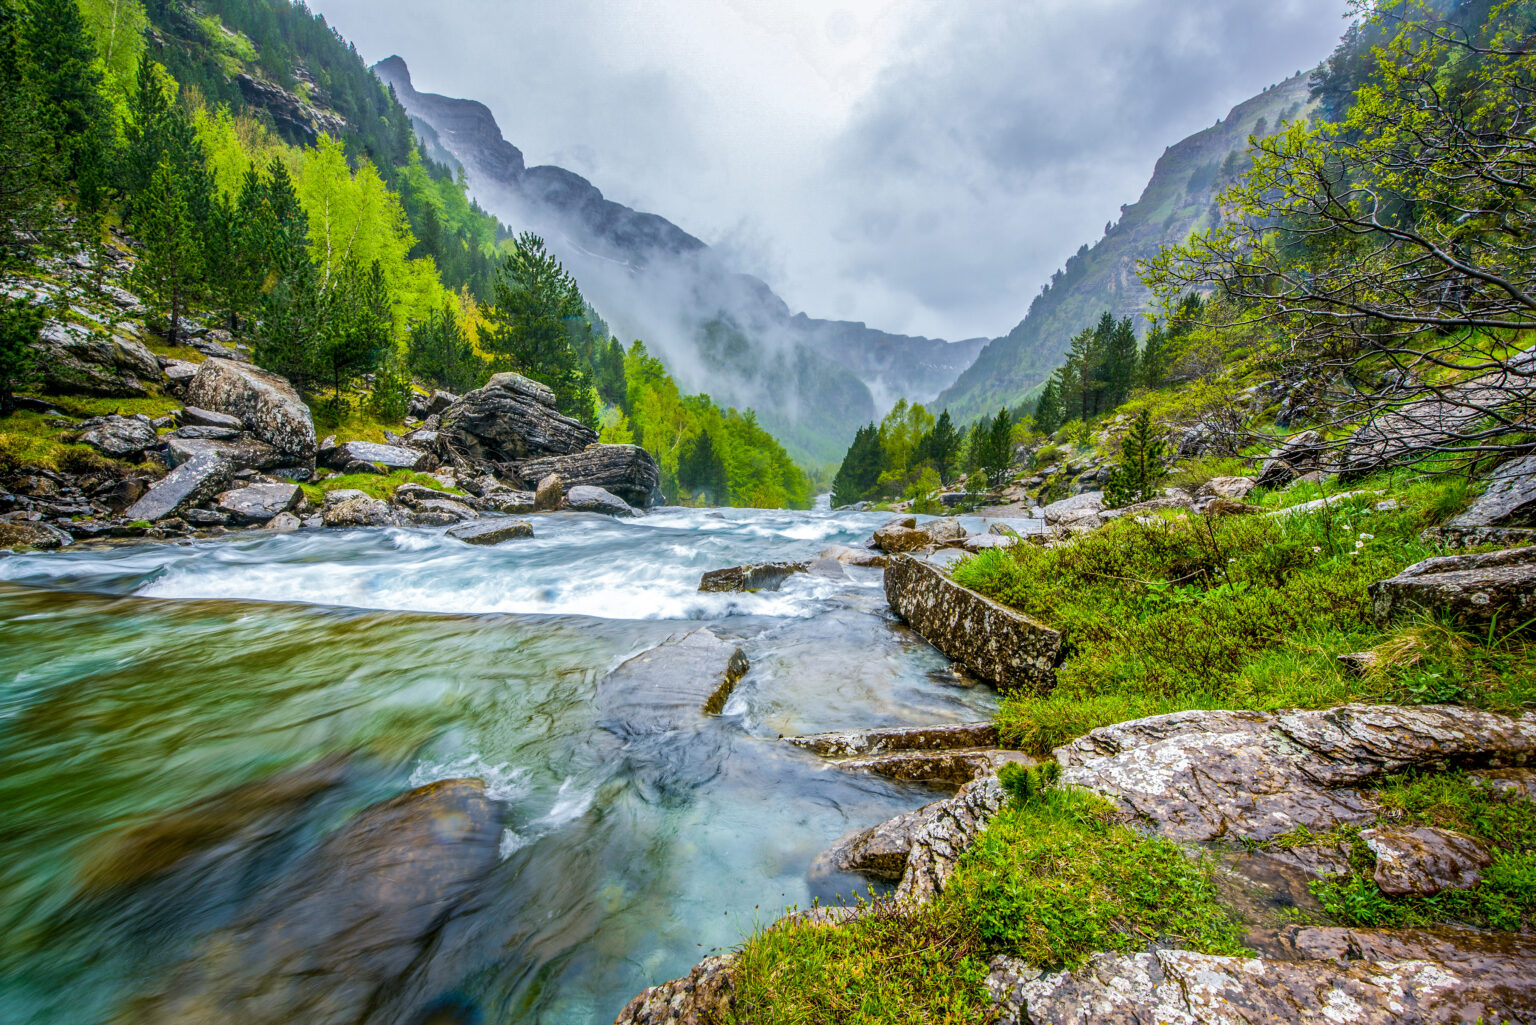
(136, 680)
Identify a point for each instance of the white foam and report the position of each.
(502, 781)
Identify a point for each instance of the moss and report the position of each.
(374, 485)
(28, 441)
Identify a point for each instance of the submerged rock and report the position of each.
(996, 643)
(1491, 590)
(628, 471)
(672, 684)
(764, 576)
(1423, 860)
(854, 743)
(265, 403)
(189, 484)
(491, 532)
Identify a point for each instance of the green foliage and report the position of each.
(860, 470)
(66, 75)
(28, 164)
(439, 352)
(1026, 783)
(390, 397)
(116, 29)
(992, 449)
(20, 323)
(702, 471)
(170, 270)
(1143, 465)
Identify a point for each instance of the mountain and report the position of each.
(813, 382)
(1179, 199)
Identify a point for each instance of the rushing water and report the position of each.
(136, 680)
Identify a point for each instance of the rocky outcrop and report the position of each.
(1423, 860)
(584, 498)
(990, 640)
(242, 451)
(628, 471)
(1302, 453)
(1197, 776)
(120, 437)
(300, 122)
(512, 418)
(762, 576)
(1491, 590)
(72, 359)
(189, 484)
(706, 996)
(491, 532)
(347, 507)
(951, 829)
(264, 403)
(672, 684)
(1510, 498)
(390, 457)
(258, 503)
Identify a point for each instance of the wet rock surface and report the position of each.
(1197, 776)
(763, 576)
(585, 498)
(264, 403)
(1423, 860)
(193, 482)
(25, 534)
(706, 996)
(672, 685)
(624, 470)
(853, 743)
(491, 532)
(990, 640)
(512, 418)
(935, 768)
(1490, 590)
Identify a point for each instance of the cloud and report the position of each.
(920, 166)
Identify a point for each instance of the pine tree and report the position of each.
(702, 471)
(1119, 372)
(1154, 357)
(535, 298)
(438, 351)
(356, 335)
(941, 445)
(28, 169)
(997, 449)
(68, 81)
(860, 470)
(170, 268)
(20, 323)
(1143, 465)
(1048, 409)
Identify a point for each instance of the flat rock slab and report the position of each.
(259, 503)
(391, 457)
(121, 437)
(243, 451)
(1423, 860)
(1195, 776)
(491, 532)
(937, 768)
(990, 640)
(193, 416)
(1509, 501)
(1491, 590)
(194, 481)
(628, 471)
(853, 743)
(763, 576)
(672, 685)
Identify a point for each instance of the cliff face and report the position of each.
(1177, 201)
(813, 382)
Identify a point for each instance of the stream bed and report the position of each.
(137, 681)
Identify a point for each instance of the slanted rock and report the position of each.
(763, 576)
(491, 532)
(242, 451)
(121, 437)
(265, 403)
(880, 851)
(1204, 775)
(1510, 498)
(628, 471)
(938, 844)
(390, 457)
(72, 359)
(193, 482)
(549, 494)
(1423, 860)
(193, 416)
(584, 498)
(512, 418)
(853, 743)
(990, 640)
(1491, 590)
(1300, 454)
(259, 503)
(706, 996)
(672, 684)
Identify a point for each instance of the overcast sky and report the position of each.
(920, 165)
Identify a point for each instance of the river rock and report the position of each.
(265, 403)
(854, 556)
(73, 359)
(190, 483)
(628, 471)
(935, 768)
(1296, 456)
(584, 498)
(1491, 590)
(335, 940)
(894, 539)
(505, 500)
(938, 844)
(242, 451)
(993, 642)
(853, 743)
(981, 542)
(121, 437)
(284, 523)
(441, 511)
(356, 510)
(510, 419)
(550, 493)
(880, 851)
(118, 495)
(706, 996)
(259, 503)
(672, 684)
(764, 576)
(1423, 860)
(391, 457)
(944, 532)
(1204, 775)
(491, 532)
(193, 416)
(1510, 498)
(26, 534)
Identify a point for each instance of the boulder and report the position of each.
(1423, 860)
(242, 451)
(189, 484)
(854, 556)
(1297, 455)
(1510, 498)
(337, 938)
(1491, 590)
(197, 432)
(491, 532)
(27, 534)
(442, 511)
(706, 996)
(205, 518)
(360, 511)
(265, 403)
(505, 500)
(550, 493)
(1235, 488)
(896, 539)
(73, 359)
(422, 439)
(880, 851)
(259, 503)
(982, 542)
(990, 640)
(584, 498)
(178, 371)
(671, 685)
(765, 576)
(1204, 775)
(119, 494)
(121, 437)
(944, 532)
(625, 470)
(192, 416)
(390, 457)
(511, 418)
(949, 831)
(1080, 512)
(284, 522)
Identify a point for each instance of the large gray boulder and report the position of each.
(121, 437)
(189, 484)
(628, 471)
(1509, 501)
(390, 457)
(259, 503)
(264, 402)
(512, 418)
(73, 359)
(1080, 512)
(584, 498)
(1490, 590)
(1000, 645)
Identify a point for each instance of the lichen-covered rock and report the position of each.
(951, 830)
(264, 402)
(584, 498)
(628, 471)
(763, 576)
(707, 996)
(1510, 498)
(993, 642)
(189, 484)
(491, 532)
(936, 768)
(121, 437)
(1491, 590)
(259, 503)
(242, 451)
(360, 511)
(854, 743)
(73, 359)
(1204, 775)
(549, 494)
(26, 534)
(1423, 860)
(510, 419)
(390, 457)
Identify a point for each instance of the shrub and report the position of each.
(390, 398)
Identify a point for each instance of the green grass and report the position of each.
(374, 485)
(26, 440)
